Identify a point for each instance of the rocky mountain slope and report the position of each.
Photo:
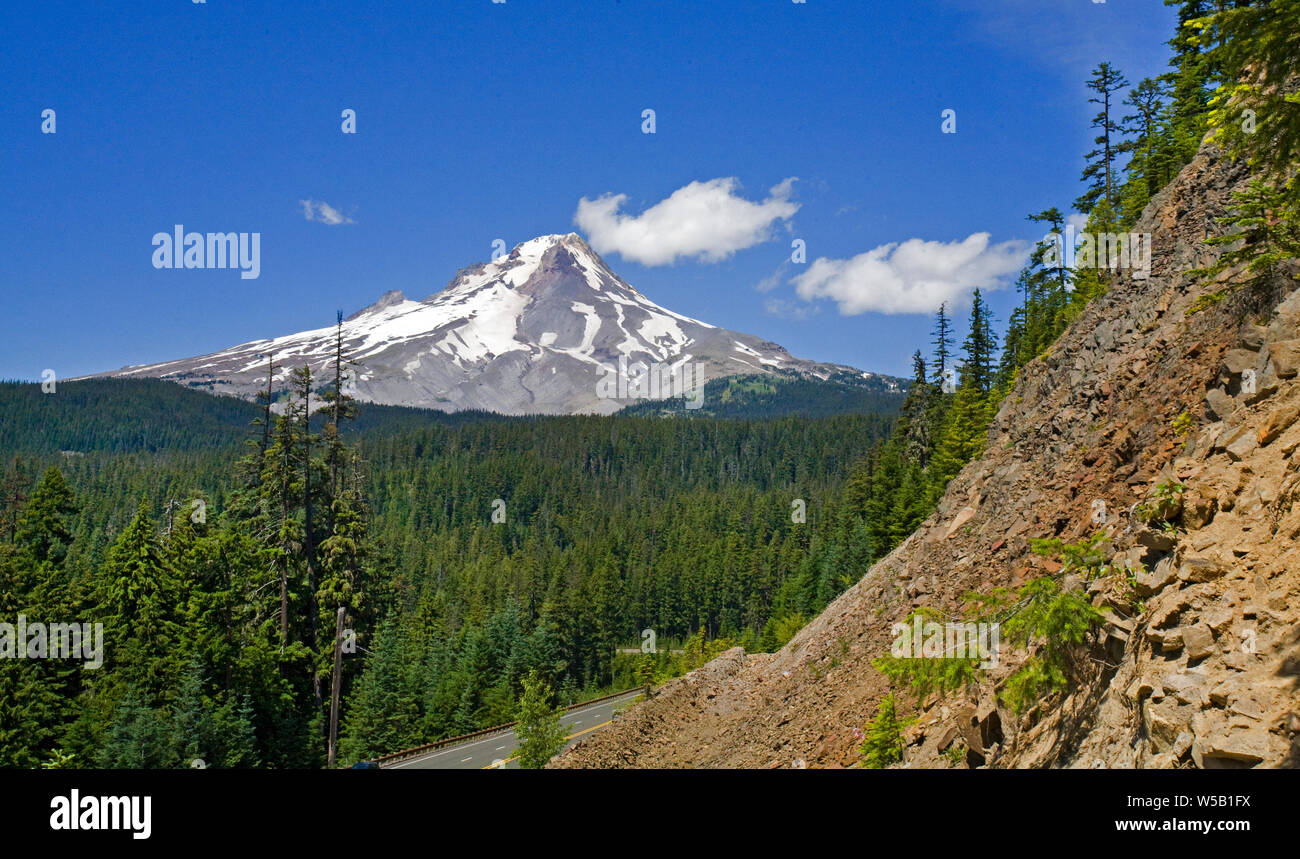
(1203, 671)
(534, 332)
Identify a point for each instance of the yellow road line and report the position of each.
(588, 730)
(493, 766)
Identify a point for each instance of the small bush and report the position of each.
(1163, 504)
(884, 736)
(1061, 620)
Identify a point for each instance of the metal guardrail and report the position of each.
(405, 754)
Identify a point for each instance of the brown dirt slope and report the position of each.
(1203, 674)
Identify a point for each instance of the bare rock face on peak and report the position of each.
(388, 299)
(537, 331)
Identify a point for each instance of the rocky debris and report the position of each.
(1199, 667)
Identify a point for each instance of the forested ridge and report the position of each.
(608, 525)
(466, 552)
(778, 395)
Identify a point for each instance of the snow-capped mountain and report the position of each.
(538, 331)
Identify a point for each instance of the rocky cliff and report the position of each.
(1201, 668)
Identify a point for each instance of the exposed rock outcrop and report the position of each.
(1204, 672)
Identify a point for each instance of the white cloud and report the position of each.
(914, 276)
(789, 309)
(319, 210)
(773, 280)
(703, 220)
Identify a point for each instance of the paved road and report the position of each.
(485, 752)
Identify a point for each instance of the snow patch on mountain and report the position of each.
(532, 331)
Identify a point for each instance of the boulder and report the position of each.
(1185, 687)
(1218, 618)
(1278, 422)
(1285, 355)
(962, 517)
(1198, 641)
(1248, 746)
(1200, 570)
(1238, 360)
(1253, 337)
(1198, 511)
(1239, 443)
(1162, 721)
(1266, 385)
(1138, 689)
(1154, 580)
(1219, 403)
(1156, 541)
(1284, 325)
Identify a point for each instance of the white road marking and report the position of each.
(463, 746)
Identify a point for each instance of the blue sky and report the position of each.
(479, 121)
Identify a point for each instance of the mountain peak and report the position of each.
(541, 244)
(388, 299)
(534, 331)
(567, 252)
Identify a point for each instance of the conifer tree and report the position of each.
(883, 744)
(138, 737)
(44, 529)
(13, 495)
(301, 383)
(233, 725)
(963, 438)
(1186, 116)
(1101, 170)
(246, 504)
(979, 346)
(1049, 253)
(966, 422)
(1253, 55)
(380, 716)
(913, 425)
(191, 727)
(39, 694)
(138, 594)
(342, 407)
(1148, 168)
(281, 489)
(942, 342)
(1266, 228)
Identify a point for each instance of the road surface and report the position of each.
(488, 752)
